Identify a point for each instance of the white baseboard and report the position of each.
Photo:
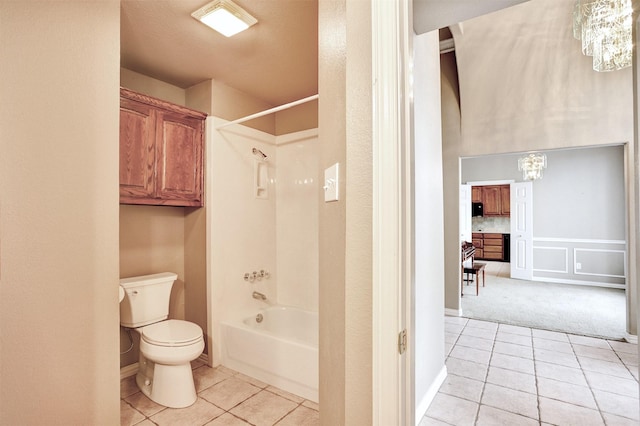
(453, 312)
(129, 370)
(579, 282)
(631, 338)
(427, 399)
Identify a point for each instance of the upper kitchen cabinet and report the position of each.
(505, 200)
(161, 152)
(476, 194)
(491, 200)
(495, 199)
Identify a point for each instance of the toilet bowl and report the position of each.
(167, 346)
(164, 368)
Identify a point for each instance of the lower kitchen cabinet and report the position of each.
(488, 246)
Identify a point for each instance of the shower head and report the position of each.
(259, 153)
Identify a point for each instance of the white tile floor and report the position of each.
(225, 397)
(507, 375)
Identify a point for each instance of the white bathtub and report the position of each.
(282, 350)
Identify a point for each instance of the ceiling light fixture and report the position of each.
(531, 166)
(225, 17)
(604, 26)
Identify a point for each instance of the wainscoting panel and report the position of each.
(599, 262)
(580, 261)
(551, 259)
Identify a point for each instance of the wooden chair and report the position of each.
(474, 271)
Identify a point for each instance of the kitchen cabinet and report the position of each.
(477, 240)
(488, 246)
(505, 200)
(476, 194)
(161, 152)
(495, 199)
(491, 200)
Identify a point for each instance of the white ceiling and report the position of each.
(276, 60)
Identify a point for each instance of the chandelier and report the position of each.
(604, 26)
(531, 166)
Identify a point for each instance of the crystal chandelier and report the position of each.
(604, 26)
(531, 166)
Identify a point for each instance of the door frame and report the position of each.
(392, 211)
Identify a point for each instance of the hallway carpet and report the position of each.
(575, 309)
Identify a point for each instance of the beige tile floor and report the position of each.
(498, 374)
(502, 374)
(225, 397)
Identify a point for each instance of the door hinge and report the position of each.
(402, 341)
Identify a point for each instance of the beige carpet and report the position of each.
(576, 309)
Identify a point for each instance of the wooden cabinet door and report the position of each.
(492, 246)
(476, 194)
(137, 150)
(491, 200)
(161, 152)
(505, 200)
(179, 159)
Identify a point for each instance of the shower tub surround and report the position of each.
(277, 345)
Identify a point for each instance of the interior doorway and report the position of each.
(578, 250)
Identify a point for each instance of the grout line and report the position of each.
(535, 375)
(593, 395)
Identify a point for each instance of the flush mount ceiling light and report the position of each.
(532, 165)
(225, 17)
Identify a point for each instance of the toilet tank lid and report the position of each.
(148, 279)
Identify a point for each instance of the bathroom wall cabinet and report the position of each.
(161, 152)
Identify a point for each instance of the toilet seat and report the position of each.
(171, 333)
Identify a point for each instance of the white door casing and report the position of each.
(465, 212)
(392, 209)
(522, 230)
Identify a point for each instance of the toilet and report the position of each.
(167, 346)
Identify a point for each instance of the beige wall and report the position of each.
(152, 240)
(345, 226)
(59, 213)
(160, 238)
(451, 165)
(152, 87)
(332, 22)
(300, 117)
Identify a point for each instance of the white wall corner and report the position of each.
(453, 312)
(423, 405)
(631, 338)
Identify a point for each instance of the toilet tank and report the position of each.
(146, 299)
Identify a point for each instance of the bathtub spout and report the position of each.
(259, 296)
